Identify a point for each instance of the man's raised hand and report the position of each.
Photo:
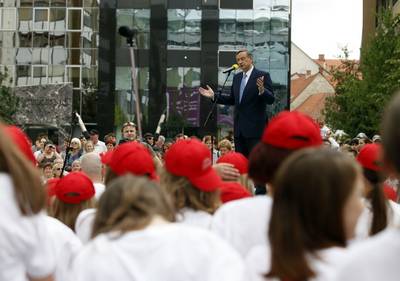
(209, 93)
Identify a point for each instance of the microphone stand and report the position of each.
(129, 41)
(211, 112)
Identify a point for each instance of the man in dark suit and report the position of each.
(250, 93)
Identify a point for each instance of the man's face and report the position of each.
(94, 138)
(129, 133)
(244, 61)
(150, 140)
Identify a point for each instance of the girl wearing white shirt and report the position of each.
(25, 253)
(379, 212)
(377, 258)
(192, 182)
(317, 201)
(134, 239)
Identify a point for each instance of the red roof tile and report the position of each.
(298, 85)
(314, 105)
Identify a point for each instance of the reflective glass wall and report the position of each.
(52, 41)
(181, 45)
(264, 31)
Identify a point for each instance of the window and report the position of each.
(184, 29)
(73, 74)
(41, 19)
(74, 19)
(39, 74)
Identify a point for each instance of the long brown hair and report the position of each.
(379, 203)
(184, 194)
(130, 203)
(310, 191)
(29, 192)
(67, 213)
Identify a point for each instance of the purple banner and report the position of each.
(186, 103)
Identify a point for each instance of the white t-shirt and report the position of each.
(258, 263)
(99, 189)
(243, 223)
(168, 252)
(84, 224)
(195, 218)
(365, 220)
(66, 246)
(375, 259)
(100, 147)
(24, 240)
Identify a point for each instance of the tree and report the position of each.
(362, 92)
(8, 101)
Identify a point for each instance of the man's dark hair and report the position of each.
(250, 55)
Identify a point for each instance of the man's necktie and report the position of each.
(242, 86)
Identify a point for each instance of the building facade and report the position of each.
(181, 45)
(52, 42)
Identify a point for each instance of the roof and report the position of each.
(298, 85)
(314, 105)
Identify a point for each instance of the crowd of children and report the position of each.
(157, 210)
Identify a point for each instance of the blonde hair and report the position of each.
(130, 203)
(29, 192)
(78, 141)
(67, 213)
(184, 194)
(225, 143)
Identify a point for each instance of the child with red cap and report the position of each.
(192, 182)
(127, 158)
(379, 212)
(377, 258)
(233, 190)
(26, 253)
(244, 222)
(74, 193)
(134, 238)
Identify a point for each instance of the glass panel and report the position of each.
(89, 40)
(58, 3)
(244, 29)
(193, 29)
(74, 19)
(138, 19)
(8, 18)
(58, 19)
(23, 75)
(89, 57)
(176, 29)
(182, 96)
(74, 3)
(262, 4)
(90, 3)
(57, 40)
(73, 74)
(74, 56)
(40, 40)
(41, 3)
(73, 40)
(25, 3)
(58, 55)
(90, 19)
(227, 29)
(39, 74)
(41, 19)
(23, 56)
(24, 39)
(40, 56)
(56, 73)
(25, 19)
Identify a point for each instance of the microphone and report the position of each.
(233, 67)
(126, 31)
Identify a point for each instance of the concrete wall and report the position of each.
(301, 62)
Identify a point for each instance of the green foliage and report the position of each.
(8, 101)
(362, 92)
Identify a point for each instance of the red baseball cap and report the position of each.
(233, 191)
(370, 157)
(238, 160)
(131, 157)
(191, 158)
(74, 188)
(292, 130)
(21, 140)
(389, 192)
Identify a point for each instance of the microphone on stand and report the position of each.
(233, 67)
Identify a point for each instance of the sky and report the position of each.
(325, 26)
